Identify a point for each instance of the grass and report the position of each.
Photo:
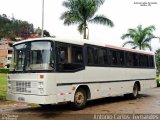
(3, 86)
(3, 89)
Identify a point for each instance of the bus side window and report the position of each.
(77, 55)
(141, 61)
(113, 57)
(120, 55)
(151, 61)
(102, 56)
(70, 57)
(135, 60)
(129, 59)
(90, 54)
(62, 54)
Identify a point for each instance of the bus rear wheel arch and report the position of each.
(135, 91)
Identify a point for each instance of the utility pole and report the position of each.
(42, 18)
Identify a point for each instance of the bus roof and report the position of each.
(84, 41)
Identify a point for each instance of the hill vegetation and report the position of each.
(12, 28)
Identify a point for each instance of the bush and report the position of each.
(158, 81)
(4, 70)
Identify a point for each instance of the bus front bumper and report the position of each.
(36, 99)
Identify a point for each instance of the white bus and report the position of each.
(52, 71)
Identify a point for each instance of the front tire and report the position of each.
(80, 99)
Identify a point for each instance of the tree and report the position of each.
(140, 37)
(4, 23)
(45, 32)
(24, 29)
(11, 28)
(157, 54)
(82, 12)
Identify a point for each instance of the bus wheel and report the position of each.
(80, 99)
(135, 93)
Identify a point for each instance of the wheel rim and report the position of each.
(79, 98)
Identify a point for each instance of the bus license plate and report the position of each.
(21, 99)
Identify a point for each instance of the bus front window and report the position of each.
(18, 57)
(40, 56)
(31, 56)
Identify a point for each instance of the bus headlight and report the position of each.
(9, 88)
(40, 85)
(9, 82)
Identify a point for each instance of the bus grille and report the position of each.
(24, 87)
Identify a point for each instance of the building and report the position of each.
(5, 52)
(6, 49)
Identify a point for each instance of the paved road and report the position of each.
(147, 103)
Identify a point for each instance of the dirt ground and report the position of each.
(107, 108)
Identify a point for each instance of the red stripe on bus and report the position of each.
(130, 50)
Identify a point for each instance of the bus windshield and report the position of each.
(33, 56)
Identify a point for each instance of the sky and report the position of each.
(124, 13)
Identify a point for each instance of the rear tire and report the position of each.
(134, 93)
(80, 99)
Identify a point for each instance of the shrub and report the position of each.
(158, 81)
(4, 70)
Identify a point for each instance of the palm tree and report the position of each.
(82, 12)
(140, 38)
